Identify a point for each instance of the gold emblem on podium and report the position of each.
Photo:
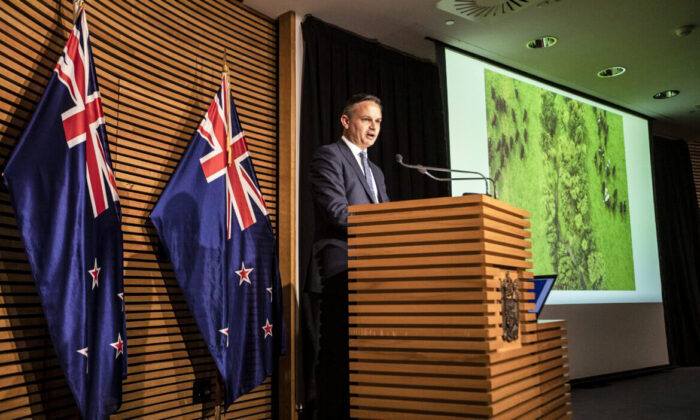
(509, 308)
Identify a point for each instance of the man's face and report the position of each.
(361, 127)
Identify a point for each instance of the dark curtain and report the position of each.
(338, 64)
(679, 249)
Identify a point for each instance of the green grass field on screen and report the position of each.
(564, 162)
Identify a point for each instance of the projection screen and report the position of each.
(582, 169)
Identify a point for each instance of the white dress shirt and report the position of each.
(356, 152)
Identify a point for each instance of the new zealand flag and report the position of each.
(65, 199)
(214, 223)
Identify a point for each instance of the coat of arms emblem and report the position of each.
(509, 308)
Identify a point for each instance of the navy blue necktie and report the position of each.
(368, 175)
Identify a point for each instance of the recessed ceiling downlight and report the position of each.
(542, 42)
(613, 71)
(665, 94)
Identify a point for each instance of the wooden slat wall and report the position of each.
(694, 149)
(158, 65)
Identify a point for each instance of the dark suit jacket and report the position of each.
(336, 182)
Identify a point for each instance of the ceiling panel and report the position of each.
(593, 34)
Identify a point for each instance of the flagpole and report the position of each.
(217, 391)
(227, 107)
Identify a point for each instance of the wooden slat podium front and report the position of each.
(426, 324)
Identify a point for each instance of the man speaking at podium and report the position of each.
(341, 175)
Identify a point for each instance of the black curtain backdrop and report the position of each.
(338, 64)
(679, 249)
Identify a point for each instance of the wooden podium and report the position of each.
(429, 281)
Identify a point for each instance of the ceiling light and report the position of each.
(542, 42)
(613, 71)
(449, 22)
(684, 30)
(665, 94)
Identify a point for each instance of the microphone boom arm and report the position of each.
(425, 170)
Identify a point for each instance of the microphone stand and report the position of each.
(425, 170)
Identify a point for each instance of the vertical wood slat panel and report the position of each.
(694, 149)
(287, 204)
(158, 65)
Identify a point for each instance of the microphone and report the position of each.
(419, 168)
(425, 170)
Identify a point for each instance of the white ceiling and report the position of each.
(593, 34)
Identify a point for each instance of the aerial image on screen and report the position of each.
(563, 161)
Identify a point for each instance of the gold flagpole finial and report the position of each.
(227, 102)
(226, 60)
(77, 7)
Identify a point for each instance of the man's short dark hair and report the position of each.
(357, 98)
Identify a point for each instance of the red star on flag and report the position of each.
(95, 272)
(243, 274)
(224, 331)
(118, 345)
(267, 328)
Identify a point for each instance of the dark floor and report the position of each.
(669, 394)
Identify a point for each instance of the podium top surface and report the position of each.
(472, 199)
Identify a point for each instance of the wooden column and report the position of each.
(287, 223)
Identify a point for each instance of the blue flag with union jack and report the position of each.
(65, 199)
(214, 223)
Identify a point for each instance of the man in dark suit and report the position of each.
(341, 175)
